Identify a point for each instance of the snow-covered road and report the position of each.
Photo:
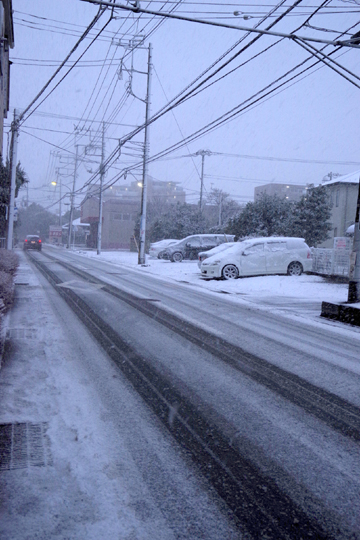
(90, 399)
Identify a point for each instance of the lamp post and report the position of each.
(55, 183)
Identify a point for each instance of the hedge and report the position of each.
(8, 265)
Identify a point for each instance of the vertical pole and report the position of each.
(202, 179)
(13, 158)
(354, 275)
(141, 258)
(59, 183)
(220, 208)
(102, 172)
(60, 205)
(72, 197)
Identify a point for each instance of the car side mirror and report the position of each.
(245, 254)
(188, 244)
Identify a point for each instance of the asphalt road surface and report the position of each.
(256, 414)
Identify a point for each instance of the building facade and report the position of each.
(342, 193)
(287, 191)
(121, 208)
(6, 43)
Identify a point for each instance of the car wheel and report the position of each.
(295, 269)
(177, 257)
(230, 272)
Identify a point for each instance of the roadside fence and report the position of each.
(333, 262)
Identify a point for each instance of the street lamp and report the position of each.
(55, 183)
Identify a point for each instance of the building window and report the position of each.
(335, 232)
(337, 197)
(117, 217)
(126, 217)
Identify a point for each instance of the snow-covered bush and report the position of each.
(9, 261)
(6, 288)
(8, 265)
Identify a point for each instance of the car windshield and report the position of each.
(238, 247)
(221, 247)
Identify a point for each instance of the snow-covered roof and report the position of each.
(76, 223)
(352, 178)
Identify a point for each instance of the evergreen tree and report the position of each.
(178, 222)
(311, 216)
(175, 221)
(270, 215)
(5, 184)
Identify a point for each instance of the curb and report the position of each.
(341, 312)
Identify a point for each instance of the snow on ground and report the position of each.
(305, 287)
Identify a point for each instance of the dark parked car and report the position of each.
(190, 247)
(32, 241)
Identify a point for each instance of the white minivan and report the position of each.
(259, 256)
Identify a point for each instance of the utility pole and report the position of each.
(13, 157)
(202, 153)
(56, 183)
(141, 258)
(72, 196)
(102, 173)
(220, 208)
(354, 274)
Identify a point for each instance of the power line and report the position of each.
(222, 25)
(166, 109)
(91, 25)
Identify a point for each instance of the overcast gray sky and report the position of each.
(305, 128)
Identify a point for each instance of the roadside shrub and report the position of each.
(6, 288)
(9, 261)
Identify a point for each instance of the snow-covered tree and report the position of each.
(179, 221)
(175, 221)
(311, 216)
(5, 181)
(270, 215)
(225, 206)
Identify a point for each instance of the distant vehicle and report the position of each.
(157, 248)
(32, 241)
(190, 247)
(259, 256)
(218, 249)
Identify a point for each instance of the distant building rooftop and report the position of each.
(352, 178)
